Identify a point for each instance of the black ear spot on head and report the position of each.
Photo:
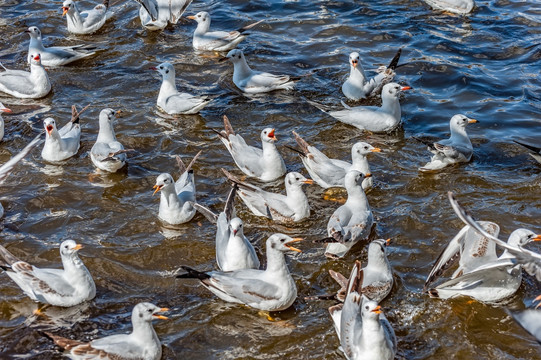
(140, 315)
(167, 71)
(273, 246)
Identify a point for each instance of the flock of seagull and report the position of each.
(361, 326)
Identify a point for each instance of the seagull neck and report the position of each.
(276, 261)
(143, 331)
(107, 132)
(269, 148)
(357, 74)
(356, 194)
(391, 105)
(169, 196)
(459, 135)
(202, 27)
(54, 137)
(36, 44)
(168, 85)
(74, 17)
(241, 69)
(295, 193)
(360, 163)
(377, 262)
(71, 263)
(38, 72)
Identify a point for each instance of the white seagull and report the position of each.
(107, 153)
(206, 40)
(64, 143)
(233, 250)
(177, 198)
(156, 14)
(254, 82)
(3, 109)
(362, 328)
(26, 85)
(56, 55)
(85, 22)
(352, 221)
(328, 172)
(371, 118)
(535, 151)
(141, 344)
(456, 149)
(292, 207)
(272, 289)
(266, 164)
(173, 102)
(461, 7)
(358, 86)
(59, 287)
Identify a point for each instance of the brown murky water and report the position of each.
(485, 65)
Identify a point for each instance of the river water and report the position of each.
(484, 65)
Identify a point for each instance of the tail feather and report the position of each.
(394, 61)
(228, 128)
(302, 143)
(428, 143)
(193, 274)
(75, 115)
(183, 167)
(63, 342)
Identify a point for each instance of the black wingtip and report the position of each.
(529, 147)
(5, 267)
(296, 150)
(394, 61)
(433, 293)
(326, 240)
(192, 274)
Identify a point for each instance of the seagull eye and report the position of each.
(366, 307)
(282, 240)
(297, 179)
(161, 67)
(366, 147)
(149, 310)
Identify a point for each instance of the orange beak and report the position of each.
(157, 188)
(388, 242)
(473, 121)
(64, 10)
(377, 310)
(6, 110)
(405, 88)
(161, 317)
(537, 238)
(49, 128)
(354, 63)
(308, 181)
(271, 135)
(292, 241)
(191, 17)
(368, 175)
(376, 150)
(78, 247)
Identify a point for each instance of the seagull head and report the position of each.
(67, 6)
(393, 90)
(147, 312)
(354, 178)
(282, 243)
(461, 121)
(109, 115)
(297, 180)
(69, 247)
(267, 135)
(354, 59)
(50, 125)
(236, 226)
(376, 248)
(361, 149)
(521, 237)
(165, 69)
(4, 109)
(370, 309)
(35, 59)
(202, 17)
(234, 55)
(163, 181)
(34, 32)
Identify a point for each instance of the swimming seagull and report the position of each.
(177, 198)
(530, 261)
(56, 55)
(203, 39)
(456, 149)
(107, 153)
(65, 287)
(362, 328)
(85, 22)
(470, 249)
(358, 86)
(272, 289)
(252, 81)
(371, 118)
(535, 151)
(233, 250)
(331, 172)
(454, 6)
(173, 102)
(495, 280)
(266, 164)
(141, 343)
(352, 221)
(292, 207)
(26, 85)
(64, 143)
(6, 110)
(156, 14)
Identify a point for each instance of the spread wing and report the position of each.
(151, 7)
(177, 8)
(8, 167)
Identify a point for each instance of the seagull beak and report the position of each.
(271, 135)
(153, 68)
(308, 181)
(537, 299)
(161, 317)
(472, 121)
(157, 188)
(78, 247)
(191, 17)
(287, 244)
(49, 129)
(388, 242)
(6, 110)
(225, 58)
(235, 231)
(27, 31)
(376, 150)
(354, 63)
(118, 113)
(368, 175)
(403, 88)
(64, 10)
(377, 310)
(537, 238)
(37, 57)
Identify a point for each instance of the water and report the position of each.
(484, 65)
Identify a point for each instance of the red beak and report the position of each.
(153, 68)
(271, 135)
(37, 57)
(406, 88)
(49, 129)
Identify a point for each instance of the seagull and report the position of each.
(530, 261)
(177, 198)
(375, 119)
(107, 153)
(156, 14)
(493, 281)
(362, 328)
(233, 250)
(203, 39)
(26, 85)
(266, 165)
(272, 289)
(173, 102)
(535, 151)
(292, 207)
(530, 320)
(85, 22)
(56, 55)
(461, 7)
(254, 82)
(456, 149)
(352, 221)
(141, 343)
(469, 248)
(64, 143)
(357, 86)
(59, 287)
(329, 173)
(6, 110)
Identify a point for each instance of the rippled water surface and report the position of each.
(485, 65)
